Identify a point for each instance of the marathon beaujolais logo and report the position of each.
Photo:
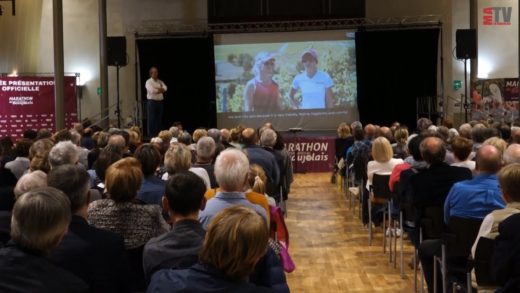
(498, 15)
(308, 151)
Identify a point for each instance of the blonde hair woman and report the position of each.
(178, 159)
(383, 162)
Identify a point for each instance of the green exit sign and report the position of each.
(98, 91)
(457, 84)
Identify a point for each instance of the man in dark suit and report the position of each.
(432, 186)
(96, 256)
(40, 220)
(430, 189)
(257, 155)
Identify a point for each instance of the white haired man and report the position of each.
(231, 170)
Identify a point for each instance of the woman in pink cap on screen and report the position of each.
(315, 85)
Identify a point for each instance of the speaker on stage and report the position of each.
(466, 43)
(116, 51)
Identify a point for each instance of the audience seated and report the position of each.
(258, 155)
(400, 147)
(431, 186)
(462, 148)
(509, 179)
(124, 214)
(383, 162)
(21, 163)
(180, 247)
(39, 223)
(152, 188)
(217, 138)
(64, 152)
(512, 154)
(39, 155)
(178, 159)
(205, 154)
(96, 256)
(121, 212)
(231, 169)
(235, 242)
(468, 199)
(268, 139)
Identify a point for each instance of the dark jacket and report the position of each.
(269, 273)
(505, 264)
(96, 256)
(257, 155)
(431, 187)
(178, 248)
(23, 270)
(210, 168)
(199, 278)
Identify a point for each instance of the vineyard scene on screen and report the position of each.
(235, 67)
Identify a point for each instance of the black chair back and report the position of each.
(482, 262)
(460, 235)
(432, 222)
(380, 186)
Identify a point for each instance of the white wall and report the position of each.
(81, 42)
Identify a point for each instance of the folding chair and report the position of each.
(431, 227)
(380, 194)
(457, 241)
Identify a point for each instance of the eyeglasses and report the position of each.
(269, 63)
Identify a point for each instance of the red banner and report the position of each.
(311, 154)
(27, 102)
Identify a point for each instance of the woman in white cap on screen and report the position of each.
(315, 85)
(262, 93)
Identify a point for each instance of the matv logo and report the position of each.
(497, 15)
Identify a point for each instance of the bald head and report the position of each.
(249, 136)
(433, 150)
(489, 160)
(370, 131)
(512, 154)
(225, 134)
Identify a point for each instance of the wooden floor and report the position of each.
(330, 245)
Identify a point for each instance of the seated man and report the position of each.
(469, 199)
(180, 247)
(39, 223)
(509, 179)
(236, 240)
(204, 159)
(96, 256)
(231, 170)
(477, 197)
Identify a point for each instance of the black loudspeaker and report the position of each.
(466, 43)
(116, 51)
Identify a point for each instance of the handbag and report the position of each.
(281, 250)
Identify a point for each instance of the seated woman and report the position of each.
(235, 242)
(123, 214)
(383, 162)
(178, 159)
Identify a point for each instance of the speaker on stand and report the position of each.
(116, 53)
(466, 40)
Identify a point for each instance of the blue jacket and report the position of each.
(199, 278)
(269, 273)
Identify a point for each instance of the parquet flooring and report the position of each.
(330, 245)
